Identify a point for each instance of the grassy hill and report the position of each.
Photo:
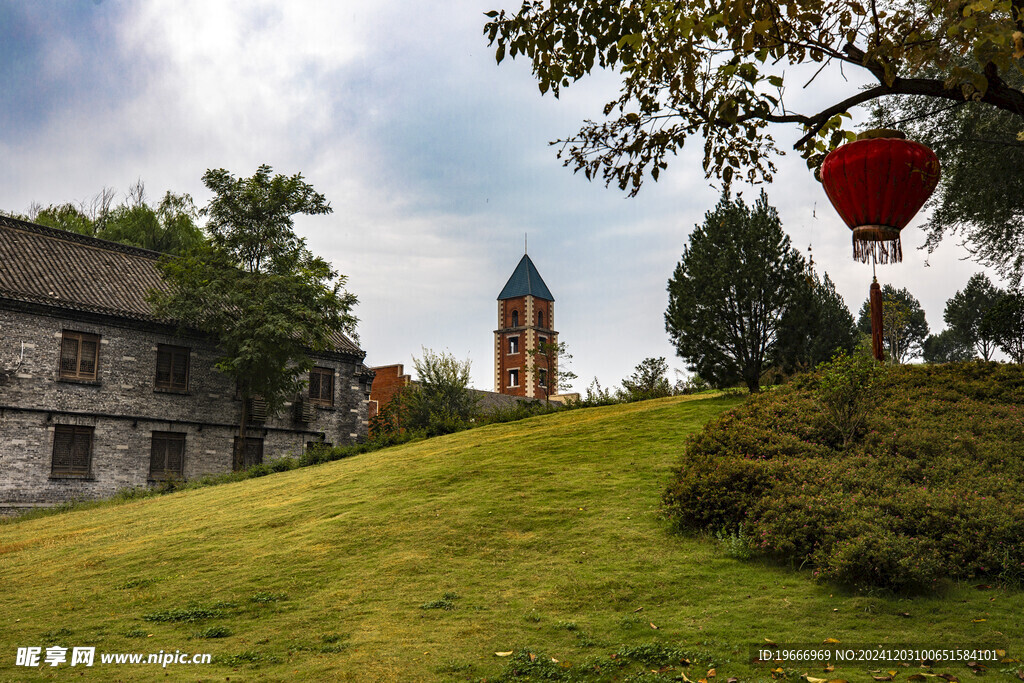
(420, 562)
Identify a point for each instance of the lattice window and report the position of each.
(79, 355)
(167, 457)
(72, 450)
(321, 386)
(172, 367)
(251, 455)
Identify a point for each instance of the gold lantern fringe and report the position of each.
(877, 244)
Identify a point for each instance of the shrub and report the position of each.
(928, 491)
(846, 391)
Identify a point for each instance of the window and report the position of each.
(541, 341)
(167, 457)
(540, 318)
(513, 344)
(79, 353)
(515, 318)
(321, 386)
(72, 451)
(543, 377)
(513, 378)
(172, 367)
(251, 455)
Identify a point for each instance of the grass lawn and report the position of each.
(420, 562)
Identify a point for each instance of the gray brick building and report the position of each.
(97, 395)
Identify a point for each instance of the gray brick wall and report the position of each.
(33, 400)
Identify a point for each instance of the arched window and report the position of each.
(540, 318)
(515, 318)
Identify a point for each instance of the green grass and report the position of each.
(539, 537)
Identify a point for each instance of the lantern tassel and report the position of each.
(877, 244)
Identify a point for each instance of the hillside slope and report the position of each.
(544, 534)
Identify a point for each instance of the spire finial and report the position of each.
(526, 244)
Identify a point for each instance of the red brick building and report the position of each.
(389, 380)
(526, 312)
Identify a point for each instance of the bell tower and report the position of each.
(526, 321)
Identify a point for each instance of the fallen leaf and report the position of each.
(504, 654)
(711, 673)
(983, 587)
(653, 626)
(733, 679)
(684, 661)
(1020, 674)
(829, 641)
(770, 642)
(1000, 653)
(533, 657)
(882, 678)
(829, 668)
(905, 614)
(950, 677)
(978, 621)
(976, 667)
(554, 660)
(1018, 44)
(638, 609)
(811, 679)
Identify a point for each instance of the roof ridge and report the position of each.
(85, 240)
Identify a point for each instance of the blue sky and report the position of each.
(435, 161)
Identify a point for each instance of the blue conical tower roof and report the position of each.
(525, 281)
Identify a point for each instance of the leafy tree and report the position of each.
(947, 346)
(965, 310)
(904, 327)
(978, 197)
(66, 217)
(728, 295)
(169, 228)
(1004, 323)
(647, 381)
(718, 70)
(555, 358)
(441, 401)
(256, 288)
(816, 326)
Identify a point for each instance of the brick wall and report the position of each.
(124, 409)
(388, 380)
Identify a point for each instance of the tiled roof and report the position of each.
(525, 280)
(66, 270)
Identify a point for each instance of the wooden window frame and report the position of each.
(163, 439)
(319, 400)
(178, 354)
(513, 345)
(78, 435)
(510, 376)
(79, 338)
(515, 318)
(542, 377)
(250, 442)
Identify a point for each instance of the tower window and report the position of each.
(541, 341)
(513, 344)
(540, 318)
(515, 318)
(543, 377)
(513, 378)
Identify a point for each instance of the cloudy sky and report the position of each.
(435, 161)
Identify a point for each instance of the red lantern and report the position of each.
(877, 185)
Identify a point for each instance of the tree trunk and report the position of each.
(243, 427)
